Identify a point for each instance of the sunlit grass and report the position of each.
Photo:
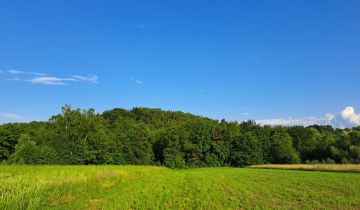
(355, 168)
(149, 187)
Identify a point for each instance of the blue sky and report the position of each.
(290, 62)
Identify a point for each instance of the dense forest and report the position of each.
(144, 136)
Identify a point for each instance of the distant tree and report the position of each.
(246, 150)
(305, 141)
(201, 134)
(174, 158)
(9, 135)
(175, 139)
(26, 151)
(281, 147)
(135, 140)
(70, 136)
(263, 134)
(48, 156)
(168, 148)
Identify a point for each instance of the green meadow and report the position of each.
(151, 187)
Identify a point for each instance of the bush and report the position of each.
(328, 161)
(21, 161)
(312, 162)
(174, 160)
(26, 151)
(48, 156)
(344, 161)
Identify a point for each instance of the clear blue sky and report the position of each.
(223, 59)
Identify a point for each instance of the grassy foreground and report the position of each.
(354, 168)
(148, 187)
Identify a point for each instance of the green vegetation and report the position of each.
(353, 168)
(143, 136)
(151, 187)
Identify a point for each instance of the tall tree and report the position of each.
(246, 150)
(281, 146)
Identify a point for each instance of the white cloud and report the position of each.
(330, 117)
(16, 72)
(92, 78)
(346, 118)
(51, 80)
(10, 117)
(139, 82)
(45, 79)
(63, 81)
(349, 114)
(294, 121)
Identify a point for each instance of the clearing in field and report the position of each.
(140, 187)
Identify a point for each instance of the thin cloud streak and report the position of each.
(45, 79)
(51, 80)
(294, 121)
(139, 82)
(10, 117)
(93, 79)
(16, 72)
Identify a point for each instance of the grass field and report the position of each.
(353, 168)
(147, 187)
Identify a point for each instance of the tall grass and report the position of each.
(150, 187)
(355, 168)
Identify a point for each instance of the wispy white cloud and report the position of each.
(51, 80)
(16, 72)
(10, 117)
(139, 82)
(294, 121)
(45, 79)
(90, 78)
(346, 118)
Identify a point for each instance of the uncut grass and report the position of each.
(353, 168)
(141, 187)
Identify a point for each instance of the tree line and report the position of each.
(144, 136)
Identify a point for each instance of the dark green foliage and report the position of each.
(9, 135)
(305, 141)
(134, 141)
(173, 158)
(246, 150)
(48, 155)
(281, 147)
(144, 136)
(26, 151)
